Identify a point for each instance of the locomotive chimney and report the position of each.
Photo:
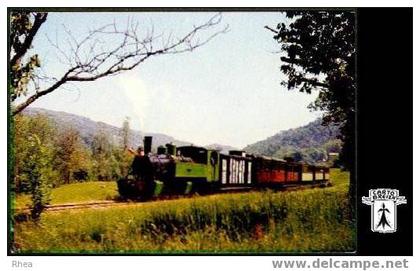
(147, 144)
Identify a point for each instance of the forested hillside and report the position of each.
(87, 128)
(310, 143)
(65, 148)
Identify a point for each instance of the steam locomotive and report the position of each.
(193, 169)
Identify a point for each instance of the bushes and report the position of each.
(33, 139)
(38, 172)
(71, 159)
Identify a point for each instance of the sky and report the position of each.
(227, 91)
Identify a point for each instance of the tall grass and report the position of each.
(298, 221)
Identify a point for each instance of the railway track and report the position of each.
(22, 212)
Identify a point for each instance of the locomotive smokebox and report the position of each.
(147, 144)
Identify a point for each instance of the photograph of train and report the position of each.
(178, 131)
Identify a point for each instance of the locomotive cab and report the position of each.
(203, 165)
(197, 154)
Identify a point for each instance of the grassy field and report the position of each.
(256, 222)
(78, 192)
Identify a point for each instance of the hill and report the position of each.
(88, 128)
(309, 143)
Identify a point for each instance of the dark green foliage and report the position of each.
(80, 175)
(310, 143)
(23, 28)
(320, 55)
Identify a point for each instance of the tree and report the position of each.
(123, 157)
(25, 128)
(23, 28)
(333, 146)
(38, 172)
(126, 133)
(72, 156)
(80, 163)
(87, 59)
(105, 166)
(318, 53)
(124, 160)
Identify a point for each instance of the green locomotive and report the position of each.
(171, 170)
(190, 169)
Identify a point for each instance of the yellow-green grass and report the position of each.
(75, 193)
(340, 179)
(256, 222)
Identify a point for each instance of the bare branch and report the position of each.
(271, 29)
(38, 94)
(94, 57)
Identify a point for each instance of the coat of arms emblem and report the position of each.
(384, 202)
